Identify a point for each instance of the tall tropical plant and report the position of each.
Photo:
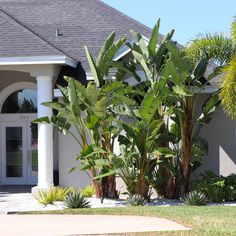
(88, 110)
(221, 50)
(185, 77)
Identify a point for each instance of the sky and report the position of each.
(187, 17)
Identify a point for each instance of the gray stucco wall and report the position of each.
(10, 77)
(68, 150)
(221, 136)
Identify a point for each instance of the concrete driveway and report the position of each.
(45, 225)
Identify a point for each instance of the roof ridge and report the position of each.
(17, 22)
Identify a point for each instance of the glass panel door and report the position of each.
(14, 153)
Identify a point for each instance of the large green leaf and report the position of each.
(90, 151)
(100, 107)
(182, 90)
(74, 101)
(139, 57)
(150, 105)
(55, 105)
(95, 73)
(141, 43)
(107, 44)
(153, 39)
(42, 120)
(200, 69)
(91, 92)
(109, 55)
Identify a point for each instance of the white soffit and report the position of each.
(37, 60)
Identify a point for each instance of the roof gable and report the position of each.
(80, 21)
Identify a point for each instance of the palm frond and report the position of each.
(215, 47)
(228, 90)
(233, 30)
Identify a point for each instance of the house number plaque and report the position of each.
(24, 117)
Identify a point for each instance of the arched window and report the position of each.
(21, 101)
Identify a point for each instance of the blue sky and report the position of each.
(187, 17)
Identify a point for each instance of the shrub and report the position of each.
(88, 191)
(76, 200)
(45, 197)
(136, 200)
(195, 198)
(217, 188)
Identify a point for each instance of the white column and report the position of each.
(45, 133)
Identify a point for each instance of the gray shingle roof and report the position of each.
(16, 40)
(80, 21)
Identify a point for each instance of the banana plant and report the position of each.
(137, 160)
(184, 133)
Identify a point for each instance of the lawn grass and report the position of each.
(207, 220)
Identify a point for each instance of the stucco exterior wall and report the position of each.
(221, 136)
(10, 77)
(68, 150)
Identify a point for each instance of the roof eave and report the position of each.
(38, 60)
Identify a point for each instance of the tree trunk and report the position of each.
(106, 188)
(97, 188)
(109, 187)
(187, 149)
(108, 183)
(143, 187)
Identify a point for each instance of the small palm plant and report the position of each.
(76, 200)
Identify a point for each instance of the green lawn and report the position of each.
(217, 220)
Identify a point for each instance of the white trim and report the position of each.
(37, 60)
(14, 87)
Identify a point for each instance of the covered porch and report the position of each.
(28, 153)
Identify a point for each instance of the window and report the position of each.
(21, 101)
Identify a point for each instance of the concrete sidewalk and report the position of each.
(45, 225)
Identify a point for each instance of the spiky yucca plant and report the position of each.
(76, 200)
(195, 198)
(136, 200)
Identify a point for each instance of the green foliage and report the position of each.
(45, 197)
(217, 188)
(88, 191)
(228, 90)
(221, 50)
(211, 46)
(136, 200)
(195, 198)
(76, 200)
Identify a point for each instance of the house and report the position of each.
(40, 42)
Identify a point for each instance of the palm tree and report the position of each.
(222, 51)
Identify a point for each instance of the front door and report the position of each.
(19, 151)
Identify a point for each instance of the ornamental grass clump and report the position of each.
(45, 197)
(88, 191)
